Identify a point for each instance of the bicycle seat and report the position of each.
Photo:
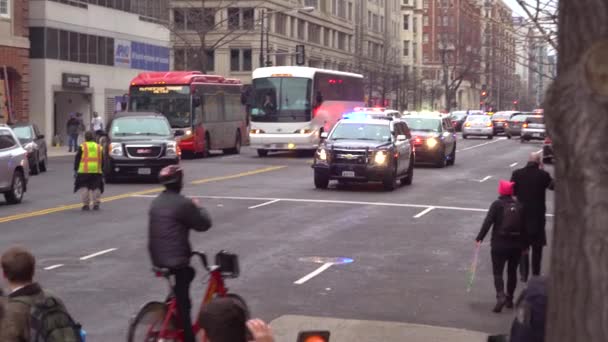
(161, 272)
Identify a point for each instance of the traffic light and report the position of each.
(300, 55)
(515, 102)
(484, 93)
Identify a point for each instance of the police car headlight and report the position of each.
(172, 149)
(116, 149)
(380, 157)
(322, 154)
(431, 142)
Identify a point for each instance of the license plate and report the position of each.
(144, 171)
(537, 135)
(348, 173)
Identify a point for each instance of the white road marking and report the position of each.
(264, 204)
(424, 212)
(479, 145)
(312, 200)
(98, 253)
(52, 267)
(514, 164)
(313, 274)
(484, 179)
(230, 157)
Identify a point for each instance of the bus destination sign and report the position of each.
(163, 89)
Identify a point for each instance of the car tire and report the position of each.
(237, 145)
(464, 136)
(35, 167)
(390, 183)
(206, 150)
(410, 173)
(508, 136)
(43, 162)
(490, 137)
(452, 157)
(15, 194)
(441, 162)
(262, 153)
(321, 180)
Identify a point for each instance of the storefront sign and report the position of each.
(149, 57)
(122, 53)
(75, 80)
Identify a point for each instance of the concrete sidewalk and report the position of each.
(60, 151)
(286, 328)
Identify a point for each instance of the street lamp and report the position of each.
(263, 15)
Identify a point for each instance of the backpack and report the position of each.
(512, 219)
(50, 321)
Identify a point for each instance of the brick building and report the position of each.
(14, 61)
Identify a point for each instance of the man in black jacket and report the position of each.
(508, 241)
(531, 183)
(172, 216)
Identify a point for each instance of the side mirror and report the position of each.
(324, 135)
(401, 137)
(179, 133)
(228, 263)
(41, 136)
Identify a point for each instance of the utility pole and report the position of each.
(262, 15)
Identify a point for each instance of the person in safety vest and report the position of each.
(88, 167)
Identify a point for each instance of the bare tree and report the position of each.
(455, 70)
(207, 25)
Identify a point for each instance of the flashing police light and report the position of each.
(355, 116)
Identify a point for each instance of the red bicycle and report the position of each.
(159, 321)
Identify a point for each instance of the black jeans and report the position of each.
(537, 259)
(500, 257)
(183, 279)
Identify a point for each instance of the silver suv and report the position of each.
(533, 128)
(14, 167)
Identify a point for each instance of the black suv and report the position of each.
(363, 150)
(434, 139)
(139, 145)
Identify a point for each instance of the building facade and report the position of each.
(14, 61)
(523, 39)
(411, 56)
(541, 69)
(84, 56)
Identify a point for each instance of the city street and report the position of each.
(411, 249)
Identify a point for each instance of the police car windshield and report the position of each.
(424, 124)
(361, 131)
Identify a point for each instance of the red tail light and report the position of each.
(418, 141)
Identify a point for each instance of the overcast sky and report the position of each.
(517, 10)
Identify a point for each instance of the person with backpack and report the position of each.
(31, 314)
(508, 242)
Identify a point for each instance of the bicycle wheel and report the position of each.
(147, 324)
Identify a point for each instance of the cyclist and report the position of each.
(172, 216)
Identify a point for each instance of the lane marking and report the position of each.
(306, 200)
(61, 208)
(264, 204)
(484, 179)
(424, 212)
(487, 143)
(313, 274)
(86, 257)
(53, 267)
(514, 164)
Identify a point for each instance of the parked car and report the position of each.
(139, 145)
(548, 151)
(500, 120)
(457, 118)
(34, 143)
(513, 125)
(478, 125)
(14, 167)
(533, 128)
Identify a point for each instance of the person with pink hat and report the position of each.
(507, 242)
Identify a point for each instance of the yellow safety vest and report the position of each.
(90, 161)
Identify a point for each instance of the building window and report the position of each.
(350, 11)
(240, 60)
(406, 22)
(234, 18)
(52, 43)
(406, 2)
(341, 41)
(369, 19)
(92, 50)
(64, 45)
(326, 34)
(381, 24)
(314, 33)
(74, 50)
(425, 57)
(280, 23)
(247, 18)
(37, 42)
(415, 51)
(342, 9)
(281, 57)
(415, 24)
(375, 22)
(406, 48)
(83, 48)
(446, 21)
(425, 20)
(5, 9)
(425, 38)
(425, 4)
(179, 59)
(179, 20)
(301, 28)
(334, 7)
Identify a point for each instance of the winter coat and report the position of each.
(529, 323)
(494, 220)
(15, 326)
(171, 218)
(531, 184)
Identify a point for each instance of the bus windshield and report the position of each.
(281, 99)
(171, 101)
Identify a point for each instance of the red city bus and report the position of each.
(207, 109)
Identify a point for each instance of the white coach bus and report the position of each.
(291, 106)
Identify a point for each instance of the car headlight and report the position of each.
(116, 149)
(303, 131)
(431, 142)
(380, 157)
(322, 154)
(172, 149)
(30, 147)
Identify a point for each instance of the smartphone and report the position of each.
(313, 336)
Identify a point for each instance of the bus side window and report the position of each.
(197, 110)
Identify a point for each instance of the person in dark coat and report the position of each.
(531, 183)
(171, 218)
(88, 170)
(506, 248)
(529, 323)
(73, 129)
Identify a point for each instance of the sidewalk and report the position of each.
(60, 151)
(286, 328)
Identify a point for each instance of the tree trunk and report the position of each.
(577, 120)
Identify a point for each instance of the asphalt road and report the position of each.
(409, 263)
